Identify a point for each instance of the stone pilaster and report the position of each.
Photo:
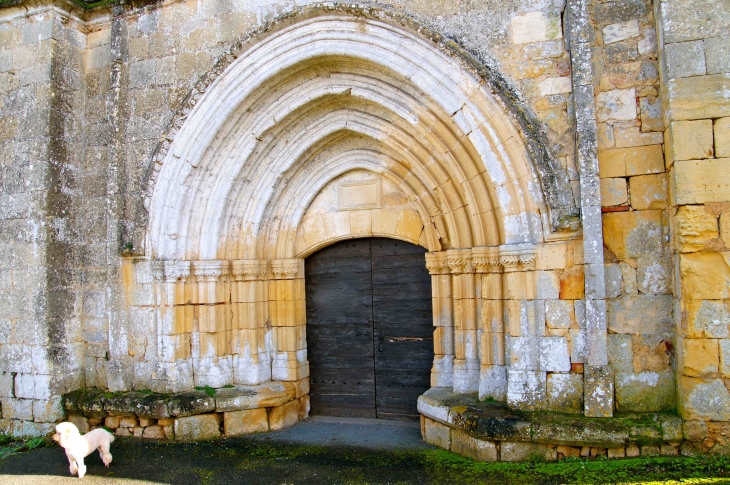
(287, 315)
(466, 343)
(493, 371)
(442, 374)
(580, 35)
(525, 324)
(250, 312)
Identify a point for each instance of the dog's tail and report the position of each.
(111, 437)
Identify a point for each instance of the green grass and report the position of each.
(705, 469)
(10, 446)
(208, 390)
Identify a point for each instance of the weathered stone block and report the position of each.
(620, 356)
(17, 408)
(535, 27)
(237, 423)
(645, 391)
(694, 430)
(685, 59)
(694, 98)
(671, 428)
(633, 74)
(527, 452)
(705, 276)
(620, 31)
(598, 391)
(633, 234)
(554, 356)
(526, 390)
(559, 313)
(721, 129)
(437, 434)
(696, 227)
(47, 411)
(622, 162)
(701, 357)
(703, 400)
(154, 432)
(619, 104)
(725, 356)
(649, 191)
(199, 427)
(690, 140)
(709, 319)
(651, 115)
(717, 54)
(701, 181)
(284, 416)
(565, 392)
(613, 192)
(641, 314)
(548, 285)
(474, 448)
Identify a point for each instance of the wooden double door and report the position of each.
(369, 328)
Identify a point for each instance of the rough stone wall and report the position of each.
(42, 101)
(634, 194)
(695, 72)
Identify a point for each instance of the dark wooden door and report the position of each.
(369, 328)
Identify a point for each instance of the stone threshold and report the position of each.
(190, 415)
(490, 431)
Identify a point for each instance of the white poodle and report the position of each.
(78, 447)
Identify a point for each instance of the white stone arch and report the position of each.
(187, 208)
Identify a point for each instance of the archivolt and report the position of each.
(325, 95)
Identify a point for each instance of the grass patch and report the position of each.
(10, 445)
(208, 390)
(705, 469)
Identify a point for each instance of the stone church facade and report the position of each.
(168, 167)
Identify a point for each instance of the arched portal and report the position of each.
(331, 127)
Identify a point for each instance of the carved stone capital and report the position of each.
(286, 269)
(436, 263)
(157, 270)
(210, 270)
(486, 260)
(177, 270)
(460, 261)
(248, 269)
(518, 257)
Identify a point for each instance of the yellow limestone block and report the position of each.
(700, 357)
(705, 276)
(649, 191)
(701, 181)
(690, 140)
(722, 137)
(622, 162)
(695, 228)
(613, 192)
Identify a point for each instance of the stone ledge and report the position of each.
(99, 403)
(494, 422)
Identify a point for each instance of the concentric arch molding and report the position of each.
(454, 83)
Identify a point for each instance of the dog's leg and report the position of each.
(82, 468)
(72, 468)
(106, 457)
